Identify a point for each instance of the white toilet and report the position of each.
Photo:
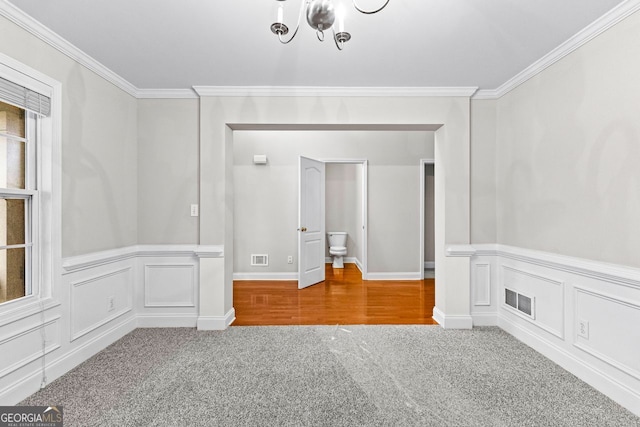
(337, 247)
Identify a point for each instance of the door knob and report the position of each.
(303, 229)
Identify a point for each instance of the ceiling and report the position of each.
(412, 43)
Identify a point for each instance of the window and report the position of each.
(29, 190)
(18, 200)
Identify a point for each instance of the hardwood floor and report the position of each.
(343, 298)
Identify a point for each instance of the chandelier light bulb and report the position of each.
(280, 18)
(340, 16)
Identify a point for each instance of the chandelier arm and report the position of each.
(369, 12)
(290, 38)
(339, 45)
(303, 7)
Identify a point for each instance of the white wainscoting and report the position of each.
(170, 285)
(607, 313)
(24, 346)
(586, 313)
(99, 298)
(68, 333)
(546, 291)
(481, 291)
(169, 279)
(91, 298)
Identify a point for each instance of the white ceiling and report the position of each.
(169, 44)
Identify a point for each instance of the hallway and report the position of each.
(343, 298)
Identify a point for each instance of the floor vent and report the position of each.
(259, 260)
(519, 302)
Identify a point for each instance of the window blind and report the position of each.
(20, 96)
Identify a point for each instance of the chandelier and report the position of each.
(321, 15)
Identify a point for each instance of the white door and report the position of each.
(311, 234)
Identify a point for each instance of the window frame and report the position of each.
(32, 208)
(45, 196)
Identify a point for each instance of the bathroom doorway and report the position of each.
(427, 219)
(346, 207)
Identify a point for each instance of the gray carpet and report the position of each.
(326, 376)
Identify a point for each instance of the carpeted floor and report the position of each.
(326, 376)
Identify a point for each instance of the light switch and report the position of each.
(194, 210)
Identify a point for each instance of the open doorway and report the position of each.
(427, 219)
(265, 206)
(332, 212)
(346, 208)
(266, 201)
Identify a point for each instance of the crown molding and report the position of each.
(597, 27)
(18, 17)
(166, 94)
(491, 94)
(295, 91)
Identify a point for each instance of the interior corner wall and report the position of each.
(167, 171)
(265, 201)
(99, 202)
(483, 171)
(568, 150)
(99, 154)
(568, 204)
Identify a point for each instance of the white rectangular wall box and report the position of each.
(260, 159)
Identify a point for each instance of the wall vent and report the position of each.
(522, 303)
(259, 260)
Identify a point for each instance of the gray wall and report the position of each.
(429, 214)
(568, 151)
(343, 207)
(99, 154)
(167, 171)
(265, 202)
(483, 171)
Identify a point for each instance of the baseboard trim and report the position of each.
(265, 276)
(452, 322)
(485, 319)
(216, 323)
(393, 276)
(30, 383)
(359, 265)
(168, 320)
(599, 380)
(346, 260)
